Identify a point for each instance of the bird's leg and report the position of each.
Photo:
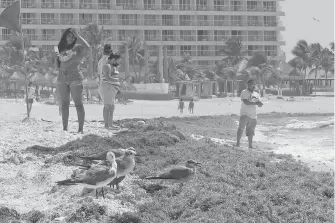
(96, 193)
(117, 186)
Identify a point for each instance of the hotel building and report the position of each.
(197, 27)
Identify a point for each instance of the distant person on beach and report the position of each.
(248, 115)
(31, 94)
(191, 106)
(181, 106)
(109, 87)
(71, 51)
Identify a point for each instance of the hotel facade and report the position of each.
(197, 27)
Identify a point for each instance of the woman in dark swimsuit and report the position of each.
(72, 48)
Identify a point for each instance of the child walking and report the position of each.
(191, 106)
(181, 106)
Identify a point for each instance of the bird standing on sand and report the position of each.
(125, 165)
(95, 177)
(179, 174)
(102, 156)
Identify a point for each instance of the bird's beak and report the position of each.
(198, 164)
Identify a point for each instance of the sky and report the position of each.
(299, 23)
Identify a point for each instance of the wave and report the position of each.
(295, 124)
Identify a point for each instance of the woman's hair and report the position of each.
(62, 45)
(114, 56)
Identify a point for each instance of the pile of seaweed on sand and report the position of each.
(144, 136)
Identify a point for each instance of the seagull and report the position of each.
(102, 156)
(179, 174)
(316, 19)
(95, 177)
(125, 165)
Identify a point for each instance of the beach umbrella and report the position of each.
(18, 77)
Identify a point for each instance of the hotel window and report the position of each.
(236, 34)
(187, 35)
(203, 51)
(254, 36)
(67, 19)
(203, 20)
(48, 34)
(185, 5)
(31, 33)
(185, 20)
(202, 5)
(171, 50)
(252, 6)
(221, 35)
(48, 4)
(167, 20)
(85, 4)
(168, 35)
(203, 62)
(128, 19)
(6, 34)
(67, 4)
(48, 18)
(185, 50)
(220, 5)
(150, 20)
(203, 35)
(270, 21)
(270, 36)
(85, 19)
(28, 4)
(236, 6)
(221, 20)
(269, 6)
(236, 20)
(104, 4)
(167, 5)
(124, 34)
(253, 21)
(105, 19)
(149, 4)
(150, 35)
(28, 18)
(252, 49)
(125, 4)
(270, 50)
(6, 3)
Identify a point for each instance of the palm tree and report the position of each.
(303, 56)
(136, 53)
(324, 60)
(234, 51)
(332, 46)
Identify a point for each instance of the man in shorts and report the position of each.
(248, 115)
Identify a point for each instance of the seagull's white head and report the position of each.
(192, 164)
(110, 157)
(129, 153)
(131, 149)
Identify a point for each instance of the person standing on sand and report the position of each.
(248, 115)
(109, 87)
(102, 62)
(181, 106)
(31, 93)
(71, 51)
(191, 106)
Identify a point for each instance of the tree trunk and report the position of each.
(326, 71)
(316, 73)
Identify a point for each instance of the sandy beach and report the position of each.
(29, 180)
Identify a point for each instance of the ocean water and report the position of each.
(310, 139)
